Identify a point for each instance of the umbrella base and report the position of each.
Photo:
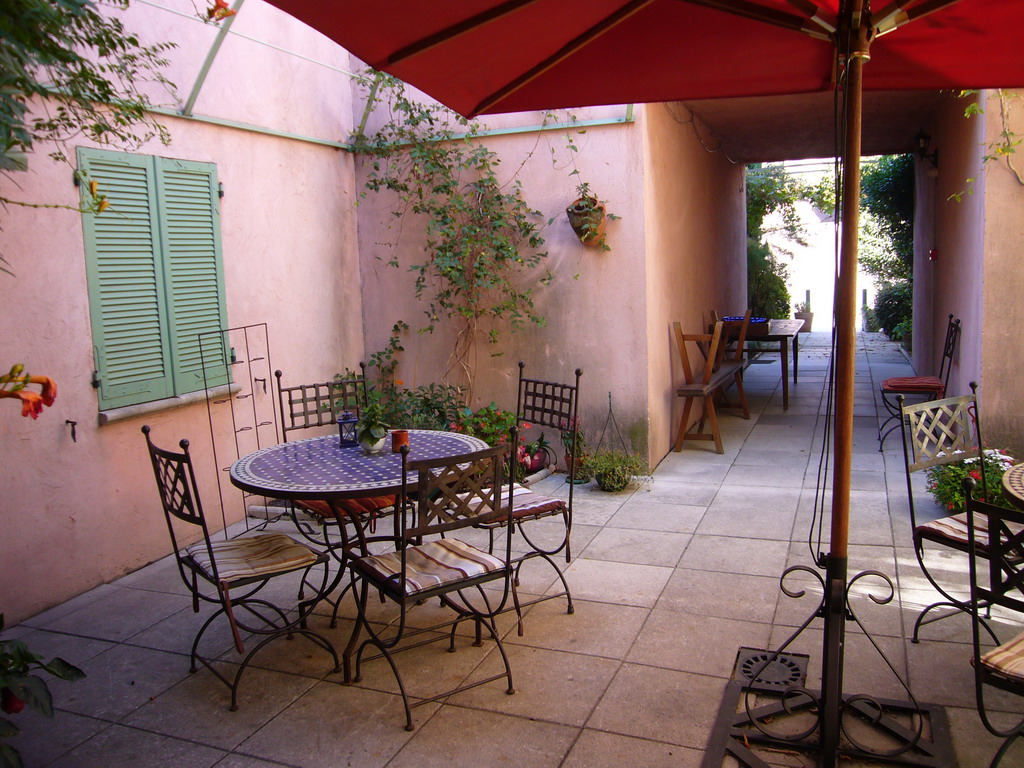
(755, 724)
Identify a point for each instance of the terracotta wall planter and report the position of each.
(587, 219)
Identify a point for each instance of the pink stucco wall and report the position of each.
(952, 282)
(1003, 286)
(594, 306)
(74, 515)
(977, 275)
(607, 312)
(695, 222)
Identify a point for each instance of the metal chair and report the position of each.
(308, 406)
(939, 432)
(996, 537)
(232, 571)
(553, 405)
(925, 387)
(451, 493)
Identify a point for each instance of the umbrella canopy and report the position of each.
(485, 56)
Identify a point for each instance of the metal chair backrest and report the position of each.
(456, 491)
(940, 432)
(547, 403)
(949, 351)
(1002, 582)
(305, 406)
(179, 496)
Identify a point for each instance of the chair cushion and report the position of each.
(431, 565)
(368, 506)
(252, 556)
(1007, 659)
(527, 505)
(925, 384)
(953, 530)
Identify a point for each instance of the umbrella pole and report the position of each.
(836, 566)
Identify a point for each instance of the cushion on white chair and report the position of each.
(252, 556)
(914, 384)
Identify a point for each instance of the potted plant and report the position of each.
(802, 311)
(537, 455)
(575, 445)
(588, 217)
(945, 481)
(19, 688)
(372, 431)
(615, 470)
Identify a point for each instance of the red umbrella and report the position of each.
(488, 56)
(484, 56)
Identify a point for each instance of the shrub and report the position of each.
(767, 295)
(614, 470)
(945, 482)
(893, 305)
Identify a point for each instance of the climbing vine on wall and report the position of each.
(483, 250)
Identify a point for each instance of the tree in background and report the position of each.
(770, 189)
(887, 232)
(87, 73)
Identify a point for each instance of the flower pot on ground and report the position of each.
(615, 470)
(803, 312)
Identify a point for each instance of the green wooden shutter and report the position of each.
(125, 280)
(190, 233)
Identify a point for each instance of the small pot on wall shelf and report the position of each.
(588, 219)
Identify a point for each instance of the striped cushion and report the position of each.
(527, 504)
(927, 384)
(1007, 659)
(431, 565)
(954, 529)
(259, 555)
(368, 506)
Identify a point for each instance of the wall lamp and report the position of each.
(922, 141)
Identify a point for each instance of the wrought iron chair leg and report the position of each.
(1001, 753)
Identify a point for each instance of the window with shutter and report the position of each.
(156, 281)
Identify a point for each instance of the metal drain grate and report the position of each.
(781, 671)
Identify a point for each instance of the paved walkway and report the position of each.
(670, 577)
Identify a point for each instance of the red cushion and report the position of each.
(927, 384)
(367, 506)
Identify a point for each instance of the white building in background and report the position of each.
(812, 267)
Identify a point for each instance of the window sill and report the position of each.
(166, 404)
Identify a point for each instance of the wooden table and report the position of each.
(1013, 485)
(781, 331)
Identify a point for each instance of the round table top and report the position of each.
(320, 468)
(1013, 484)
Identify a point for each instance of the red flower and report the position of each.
(975, 474)
(219, 11)
(31, 402)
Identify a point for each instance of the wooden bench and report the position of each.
(712, 378)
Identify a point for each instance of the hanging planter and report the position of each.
(588, 219)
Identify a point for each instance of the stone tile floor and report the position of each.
(670, 577)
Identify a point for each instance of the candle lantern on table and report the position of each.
(347, 429)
